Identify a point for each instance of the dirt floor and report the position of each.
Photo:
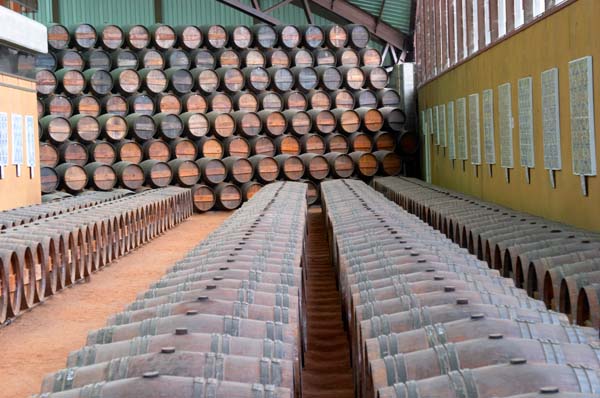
(39, 341)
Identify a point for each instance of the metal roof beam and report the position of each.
(253, 12)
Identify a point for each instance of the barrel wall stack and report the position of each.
(133, 106)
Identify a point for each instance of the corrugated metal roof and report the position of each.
(107, 11)
(202, 12)
(293, 15)
(396, 13)
(44, 12)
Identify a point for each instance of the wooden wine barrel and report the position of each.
(388, 97)
(100, 176)
(318, 99)
(299, 122)
(87, 105)
(49, 179)
(129, 175)
(215, 36)
(365, 164)
(168, 103)
(376, 77)
(240, 37)
(58, 36)
(102, 152)
(185, 172)
(337, 143)
(372, 119)
(222, 125)
(250, 189)
(348, 120)
(137, 37)
(282, 79)
(229, 197)
(370, 57)
(220, 103)
(347, 57)
(154, 81)
(289, 36)
(245, 101)
(236, 146)
(336, 36)
(358, 36)
(113, 127)
(45, 81)
(181, 81)
(157, 174)
(361, 142)
(142, 104)
(316, 166)
(394, 118)
(123, 58)
(354, 77)
(169, 126)
(183, 148)
(41, 108)
(49, 156)
(265, 36)
(85, 128)
(312, 192)
(408, 143)
(205, 80)
(248, 124)
(195, 125)
(265, 167)
(212, 171)
(253, 58)
(330, 78)
(194, 102)
(227, 58)
(262, 146)
(163, 36)
(203, 197)
(72, 177)
(384, 141)
(313, 143)
(210, 147)
(70, 60)
(202, 58)
(390, 163)
(231, 80)
(149, 58)
(83, 36)
(274, 122)
(365, 99)
(323, 121)
(58, 105)
(301, 57)
(342, 165)
(99, 81)
(70, 82)
(239, 170)
(257, 79)
(324, 57)
(55, 128)
(126, 81)
(290, 167)
(306, 78)
(131, 151)
(110, 37)
(288, 145)
(277, 58)
(342, 99)
(189, 37)
(140, 127)
(270, 101)
(97, 59)
(295, 100)
(313, 36)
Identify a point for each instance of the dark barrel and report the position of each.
(366, 164)
(342, 165)
(130, 151)
(100, 176)
(110, 37)
(183, 148)
(102, 152)
(156, 173)
(229, 197)
(203, 197)
(129, 175)
(185, 172)
(210, 147)
(290, 167)
(212, 171)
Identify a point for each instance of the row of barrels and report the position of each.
(40, 258)
(225, 321)
(554, 262)
(428, 319)
(28, 214)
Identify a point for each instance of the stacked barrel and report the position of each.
(43, 255)
(428, 319)
(226, 321)
(223, 110)
(554, 262)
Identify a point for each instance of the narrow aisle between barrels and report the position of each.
(327, 371)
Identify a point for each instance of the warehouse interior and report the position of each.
(299, 198)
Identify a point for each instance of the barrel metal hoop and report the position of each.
(587, 379)
(574, 334)
(527, 329)
(64, 380)
(453, 357)
(231, 325)
(163, 310)
(92, 390)
(463, 383)
(596, 348)
(552, 351)
(118, 369)
(199, 385)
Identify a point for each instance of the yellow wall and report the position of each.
(18, 96)
(568, 34)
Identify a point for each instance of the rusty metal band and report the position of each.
(395, 369)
